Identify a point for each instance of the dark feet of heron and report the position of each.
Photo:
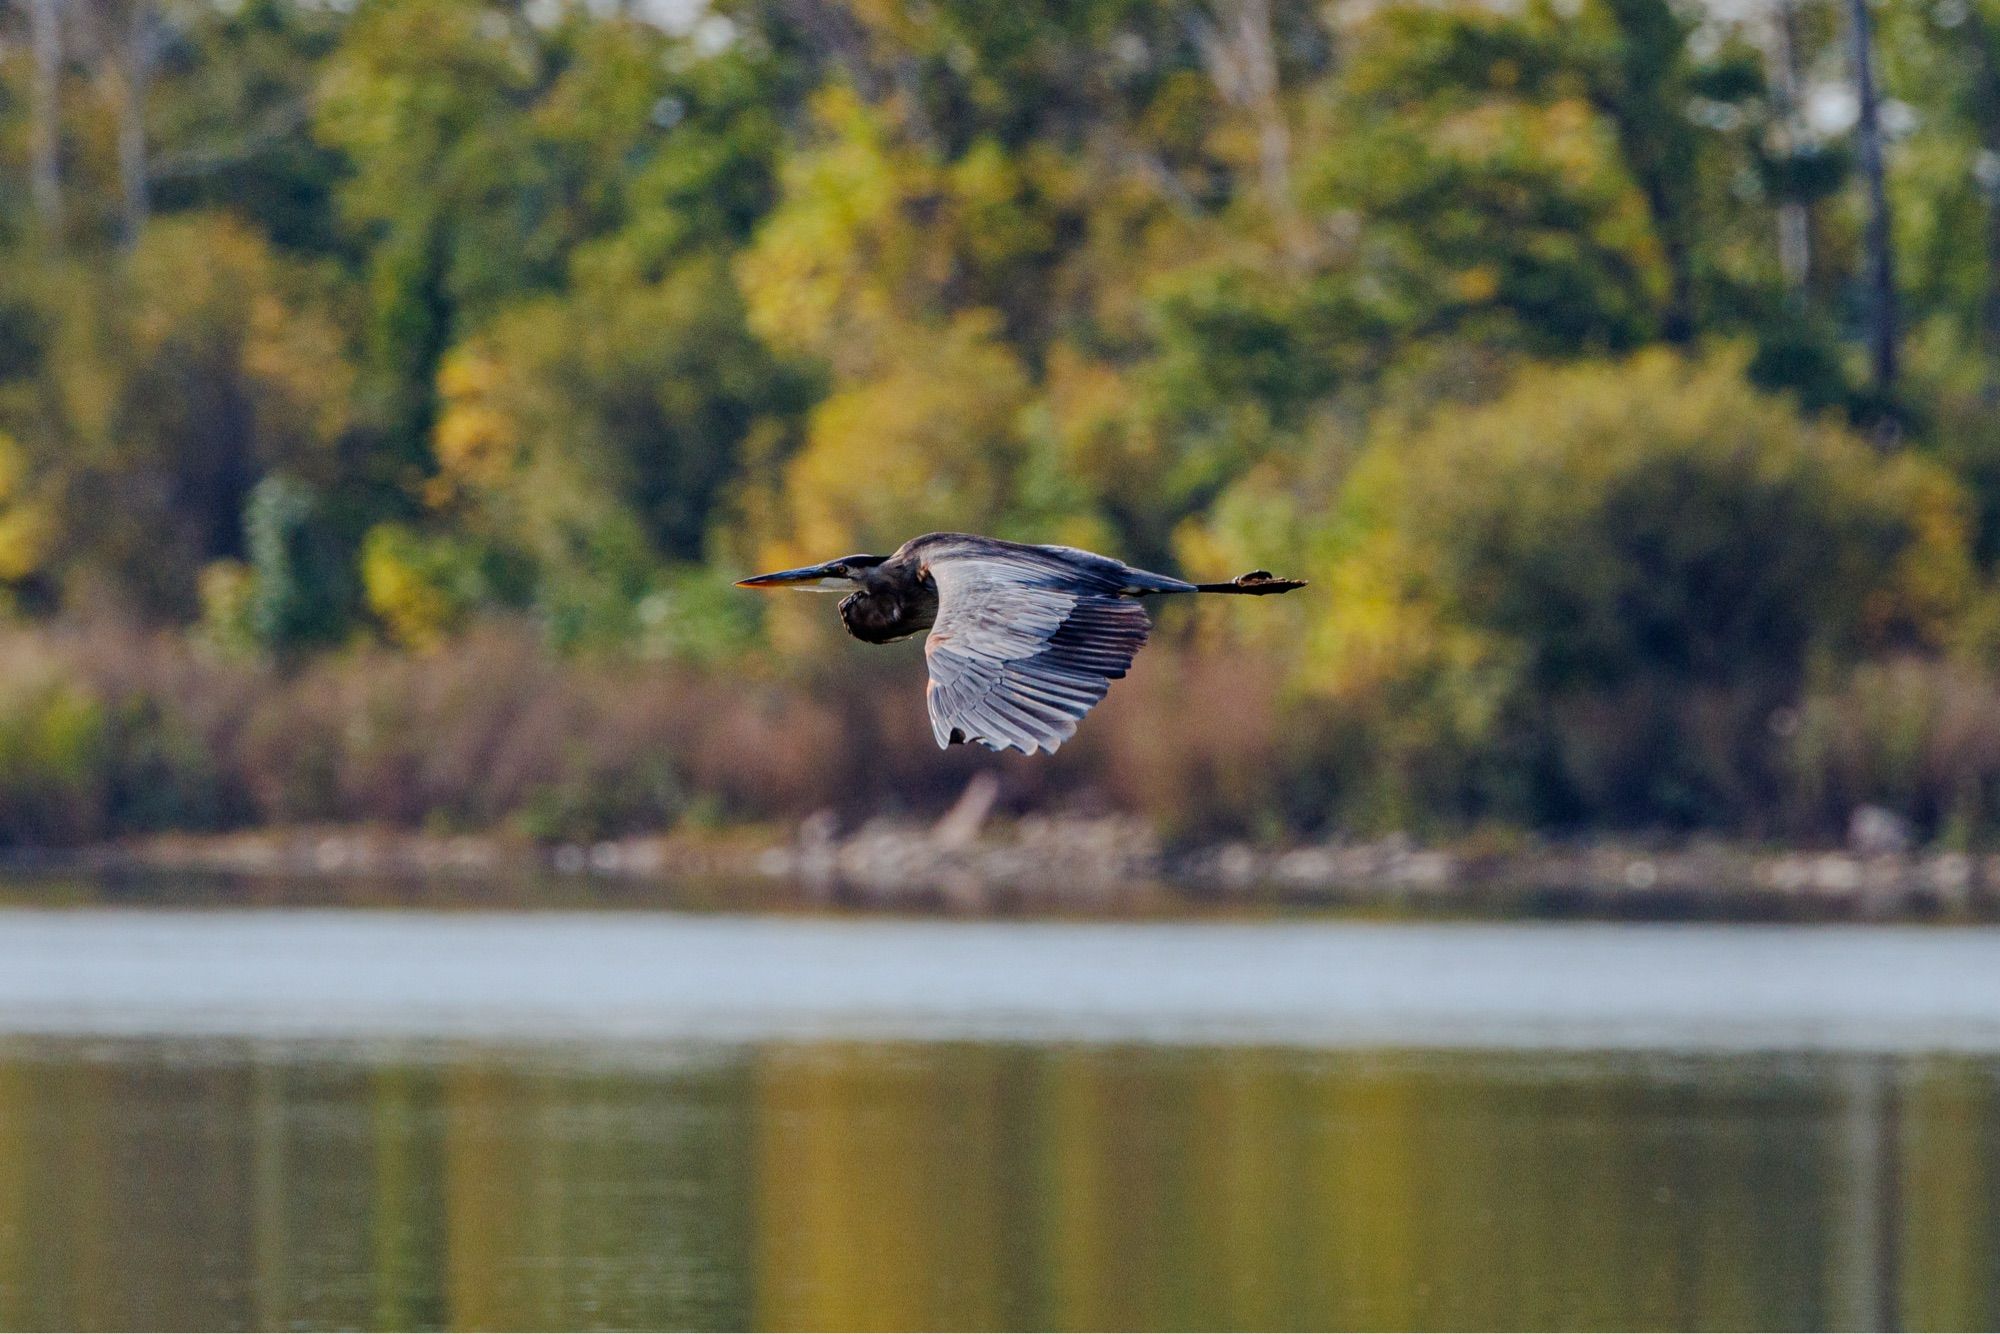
(1256, 583)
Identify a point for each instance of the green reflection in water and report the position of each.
(960, 1185)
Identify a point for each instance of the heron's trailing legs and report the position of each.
(1256, 582)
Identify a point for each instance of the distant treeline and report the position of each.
(1626, 377)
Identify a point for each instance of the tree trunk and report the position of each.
(1258, 48)
(1986, 109)
(1641, 95)
(1242, 58)
(1882, 336)
(45, 117)
(1677, 323)
(1794, 219)
(135, 77)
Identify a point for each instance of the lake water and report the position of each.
(491, 1121)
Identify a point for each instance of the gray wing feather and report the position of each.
(1019, 653)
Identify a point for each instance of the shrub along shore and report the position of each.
(123, 749)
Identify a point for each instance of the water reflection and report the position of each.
(939, 1185)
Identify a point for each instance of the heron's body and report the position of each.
(1024, 640)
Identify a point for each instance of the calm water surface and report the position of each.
(626, 1120)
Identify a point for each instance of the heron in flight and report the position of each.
(1024, 640)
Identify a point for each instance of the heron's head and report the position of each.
(836, 576)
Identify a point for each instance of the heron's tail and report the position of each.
(1256, 582)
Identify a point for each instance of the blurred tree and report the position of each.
(931, 442)
(927, 288)
(173, 382)
(596, 435)
(1515, 134)
(490, 152)
(712, 172)
(1642, 533)
(1055, 72)
(298, 594)
(26, 530)
(230, 112)
(1942, 61)
(875, 230)
(1239, 364)
(428, 99)
(421, 589)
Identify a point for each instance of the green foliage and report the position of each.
(421, 589)
(1662, 516)
(1510, 220)
(26, 532)
(226, 588)
(489, 150)
(931, 443)
(176, 379)
(299, 591)
(231, 108)
(596, 436)
(875, 229)
(1945, 61)
(691, 616)
(52, 763)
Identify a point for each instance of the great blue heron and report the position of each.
(1024, 640)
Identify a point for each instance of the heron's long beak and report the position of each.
(812, 577)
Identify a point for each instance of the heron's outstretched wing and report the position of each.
(1023, 647)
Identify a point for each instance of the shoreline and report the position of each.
(1065, 865)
